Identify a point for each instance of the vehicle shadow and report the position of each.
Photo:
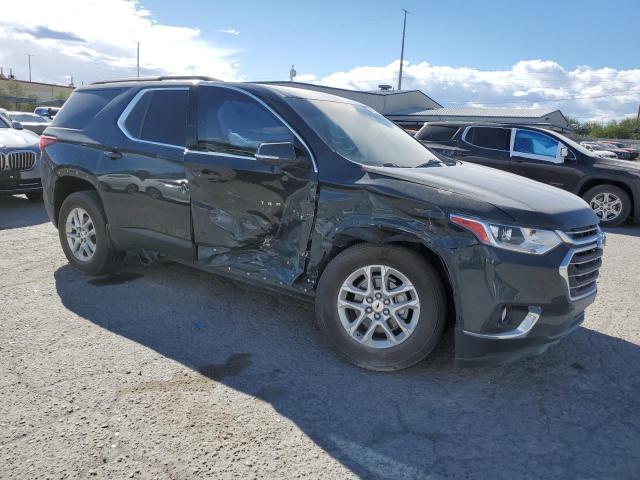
(570, 413)
(18, 212)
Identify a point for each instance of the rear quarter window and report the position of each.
(83, 106)
(436, 133)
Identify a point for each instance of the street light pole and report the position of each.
(29, 55)
(138, 60)
(404, 27)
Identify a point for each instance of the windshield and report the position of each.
(27, 117)
(362, 135)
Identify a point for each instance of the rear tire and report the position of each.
(611, 204)
(84, 208)
(405, 270)
(34, 196)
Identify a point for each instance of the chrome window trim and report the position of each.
(270, 110)
(522, 330)
(466, 130)
(134, 101)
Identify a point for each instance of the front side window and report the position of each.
(489, 137)
(535, 144)
(159, 116)
(231, 122)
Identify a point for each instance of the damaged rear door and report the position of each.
(248, 217)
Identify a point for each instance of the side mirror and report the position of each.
(278, 154)
(564, 152)
(17, 125)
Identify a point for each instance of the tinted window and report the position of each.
(487, 137)
(160, 116)
(232, 122)
(436, 133)
(535, 143)
(82, 106)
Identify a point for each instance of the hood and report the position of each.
(528, 202)
(632, 166)
(10, 138)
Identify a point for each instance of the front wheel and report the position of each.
(381, 307)
(611, 204)
(83, 235)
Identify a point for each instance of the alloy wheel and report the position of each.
(607, 206)
(81, 234)
(378, 306)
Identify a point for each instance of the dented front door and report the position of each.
(248, 217)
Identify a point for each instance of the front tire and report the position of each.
(381, 307)
(611, 204)
(83, 235)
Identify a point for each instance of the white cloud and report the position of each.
(230, 31)
(94, 39)
(584, 92)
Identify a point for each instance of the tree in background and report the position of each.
(629, 128)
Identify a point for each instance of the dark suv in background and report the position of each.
(316, 195)
(610, 186)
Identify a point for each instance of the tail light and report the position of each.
(45, 141)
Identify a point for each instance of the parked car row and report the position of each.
(611, 149)
(610, 186)
(19, 161)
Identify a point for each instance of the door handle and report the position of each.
(113, 154)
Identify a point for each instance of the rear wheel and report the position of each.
(83, 235)
(611, 204)
(381, 307)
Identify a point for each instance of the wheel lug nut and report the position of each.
(369, 300)
(377, 316)
(386, 311)
(386, 301)
(378, 296)
(368, 310)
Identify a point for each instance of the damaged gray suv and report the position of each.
(321, 197)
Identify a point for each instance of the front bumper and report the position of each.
(533, 289)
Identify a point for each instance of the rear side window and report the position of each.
(83, 106)
(159, 116)
(488, 137)
(436, 133)
(234, 123)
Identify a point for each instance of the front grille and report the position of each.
(23, 160)
(582, 232)
(581, 266)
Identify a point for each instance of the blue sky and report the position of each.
(577, 56)
(328, 36)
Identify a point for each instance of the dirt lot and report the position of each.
(165, 372)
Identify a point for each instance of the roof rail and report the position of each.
(158, 79)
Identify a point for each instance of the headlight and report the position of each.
(510, 237)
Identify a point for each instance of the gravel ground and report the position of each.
(166, 372)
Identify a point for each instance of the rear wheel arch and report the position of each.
(67, 185)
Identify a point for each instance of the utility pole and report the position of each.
(404, 28)
(29, 55)
(638, 116)
(138, 61)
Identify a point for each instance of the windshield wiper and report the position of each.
(430, 163)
